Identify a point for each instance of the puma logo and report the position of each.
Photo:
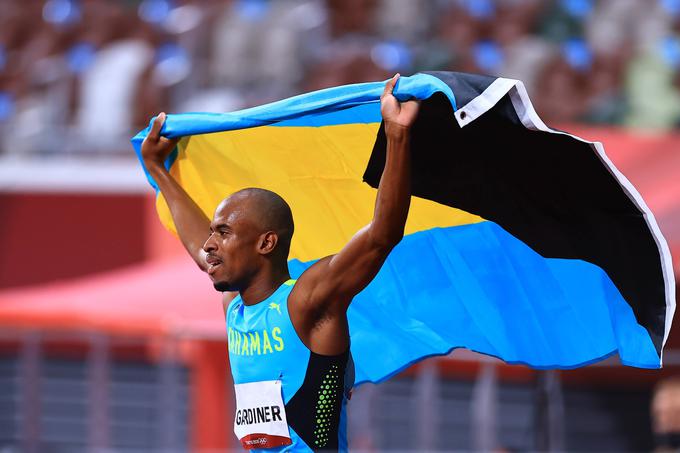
(275, 306)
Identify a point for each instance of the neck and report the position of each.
(263, 285)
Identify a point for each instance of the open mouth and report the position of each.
(213, 263)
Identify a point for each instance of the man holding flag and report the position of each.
(289, 339)
(505, 251)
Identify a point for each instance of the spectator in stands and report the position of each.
(604, 61)
(606, 102)
(33, 80)
(524, 53)
(458, 29)
(117, 81)
(259, 46)
(354, 49)
(564, 19)
(654, 99)
(561, 92)
(405, 21)
(665, 411)
(344, 66)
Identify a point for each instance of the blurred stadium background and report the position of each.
(112, 341)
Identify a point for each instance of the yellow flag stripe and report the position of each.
(317, 170)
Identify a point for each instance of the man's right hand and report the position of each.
(193, 226)
(156, 148)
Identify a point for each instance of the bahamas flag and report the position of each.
(523, 242)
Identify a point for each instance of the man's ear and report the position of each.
(267, 243)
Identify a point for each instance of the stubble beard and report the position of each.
(222, 286)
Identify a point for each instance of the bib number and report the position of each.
(260, 420)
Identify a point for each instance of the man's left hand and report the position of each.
(397, 115)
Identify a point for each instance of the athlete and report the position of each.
(289, 340)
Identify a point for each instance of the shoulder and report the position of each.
(227, 298)
(309, 281)
(313, 296)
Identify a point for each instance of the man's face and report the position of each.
(231, 249)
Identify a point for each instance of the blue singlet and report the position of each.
(264, 346)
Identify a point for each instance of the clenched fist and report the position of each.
(397, 115)
(155, 148)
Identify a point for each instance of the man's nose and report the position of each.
(209, 244)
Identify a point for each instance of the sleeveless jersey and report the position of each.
(264, 346)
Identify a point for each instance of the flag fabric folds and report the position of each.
(523, 242)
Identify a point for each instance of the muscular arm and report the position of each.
(193, 226)
(323, 293)
(360, 260)
(342, 276)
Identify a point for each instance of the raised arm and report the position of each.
(329, 286)
(192, 224)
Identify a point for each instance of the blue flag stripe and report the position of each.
(476, 286)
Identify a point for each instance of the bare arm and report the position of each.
(328, 287)
(192, 224)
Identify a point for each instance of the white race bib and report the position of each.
(260, 420)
